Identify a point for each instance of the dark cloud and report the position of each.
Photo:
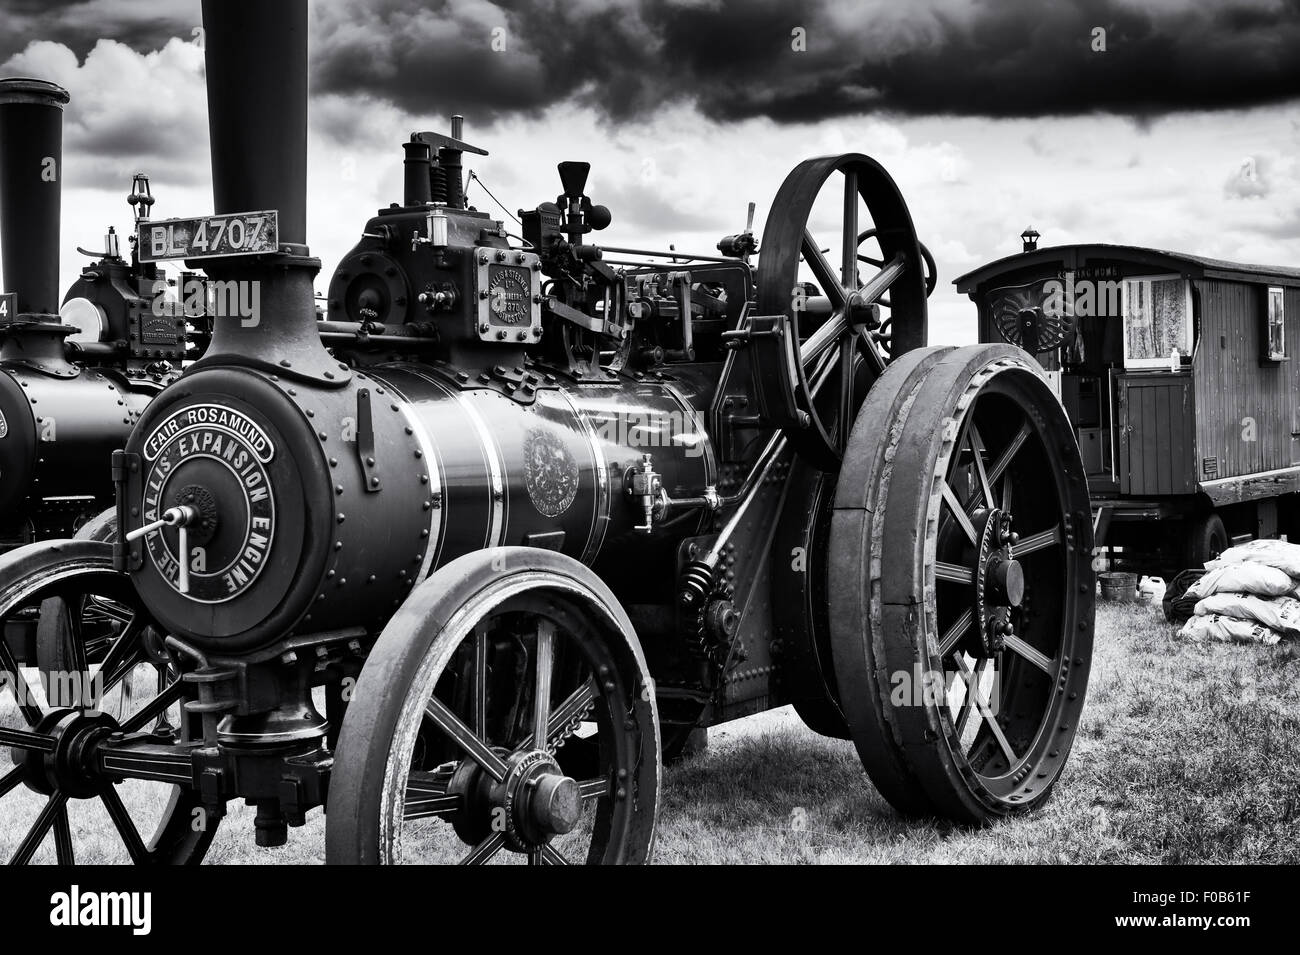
(734, 58)
(143, 25)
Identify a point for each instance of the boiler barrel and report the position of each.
(324, 508)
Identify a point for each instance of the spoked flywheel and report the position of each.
(57, 777)
(961, 594)
(801, 338)
(504, 715)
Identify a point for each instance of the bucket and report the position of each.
(1118, 585)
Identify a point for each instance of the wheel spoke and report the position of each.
(955, 633)
(63, 838)
(849, 238)
(426, 796)
(36, 835)
(464, 737)
(959, 514)
(1009, 452)
(122, 655)
(1037, 658)
(844, 423)
(551, 856)
(977, 451)
(71, 631)
(968, 703)
(485, 850)
(577, 703)
(125, 827)
(10, 780)
(972, 688)
(1035, 542)
(544, 666)
(597, 788)
(22, 690)
(823, 272)
(26, 740)
(480, 682)
(155, 707)
(955, 573)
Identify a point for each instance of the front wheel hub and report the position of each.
(535, 802)
(71, 765)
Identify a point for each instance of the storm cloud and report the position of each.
(810, 60)
(787, 60)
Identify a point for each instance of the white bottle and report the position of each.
(1175, 360)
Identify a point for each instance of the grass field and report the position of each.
(1187, 753)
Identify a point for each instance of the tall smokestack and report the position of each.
(256, 57)
(31, 173)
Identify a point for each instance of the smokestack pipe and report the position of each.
(256, 57)
(31, 173)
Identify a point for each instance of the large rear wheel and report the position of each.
(961, 597)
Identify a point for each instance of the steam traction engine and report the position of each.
(520, 512)
(73, 379)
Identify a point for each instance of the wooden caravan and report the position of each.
(1180, 375)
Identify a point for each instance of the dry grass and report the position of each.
(1187, 753)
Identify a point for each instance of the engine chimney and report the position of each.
(256, 57)
(31, 172)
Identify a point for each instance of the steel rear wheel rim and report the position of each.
(1038, 706)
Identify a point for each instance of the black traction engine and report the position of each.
(465, 557)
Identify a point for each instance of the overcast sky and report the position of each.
(1181, 134)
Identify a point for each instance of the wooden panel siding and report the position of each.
(1239, 396)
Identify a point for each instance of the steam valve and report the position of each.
(644, 486)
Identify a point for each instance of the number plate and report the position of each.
(8, 307)
(209, 237)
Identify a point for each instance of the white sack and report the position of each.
(1278, 613)
(1247, 578)
(1283, 555)
(1228, 630)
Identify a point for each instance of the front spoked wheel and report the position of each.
(58, 792)
(505, 715)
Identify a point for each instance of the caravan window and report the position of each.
(1276, 326)
(1157, 319)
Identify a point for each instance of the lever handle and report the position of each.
(179, 517)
